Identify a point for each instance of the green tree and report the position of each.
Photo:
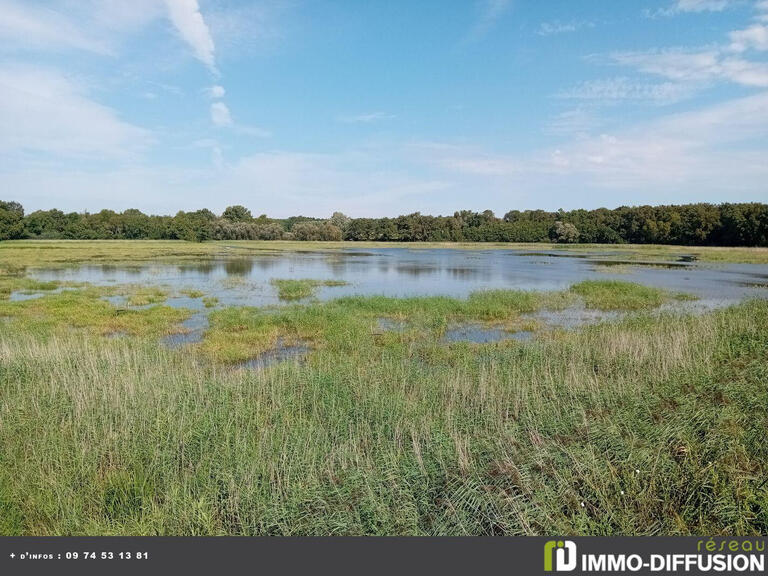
(565, 232)
(237, 214)
(11, 220)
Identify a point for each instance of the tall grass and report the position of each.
(654, 425)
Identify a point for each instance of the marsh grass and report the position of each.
(618, 295)
(192, 293)
(289, 290)
(653, 425)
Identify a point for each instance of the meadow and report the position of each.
(653, 423)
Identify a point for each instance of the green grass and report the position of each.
(617, 295)
(193, 293)
(289, 290)
(653, 424)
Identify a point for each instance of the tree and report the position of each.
(341, 221)
(565, 232)
(11, 220)
(315, 231)
(237, 214)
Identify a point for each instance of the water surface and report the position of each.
(403, 271)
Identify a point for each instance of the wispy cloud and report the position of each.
(557, 27)
(489, 13)
(681, 149)
(220, 115)
(216, 92)
(43, 110)
(614, 90)
(696, 65)
(571, 123)
(27, 26)
(365, 118)
(188, 21)
(754, 37)
(690, 6)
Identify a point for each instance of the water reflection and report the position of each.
(401, 272)
(480, 334)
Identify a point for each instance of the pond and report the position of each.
(403, 271)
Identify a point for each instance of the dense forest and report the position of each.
(690, 224)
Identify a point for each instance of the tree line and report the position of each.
(744, 224)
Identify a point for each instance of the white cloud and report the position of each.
(620, 89)
(716, 148)
(712, 153)
(280, 183)
(691, 66)
(762, 8)
(365, 118)
(557, 27)
(489, 13)
(572, 122)
(220, 115)
(188, 21)
(216, 92)
(690, 6)
(701, 5)
(45, 111)
(25, 25)
(754, 37)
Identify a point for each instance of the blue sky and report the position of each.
(381, 107)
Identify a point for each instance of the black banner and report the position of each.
(342, 555)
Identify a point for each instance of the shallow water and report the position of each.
(480, 334)
(403, 271)
(280, 353)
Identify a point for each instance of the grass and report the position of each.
(616, 295)
(653, 424)
(290, 290)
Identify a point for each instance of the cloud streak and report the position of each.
(25, 26)
(615, 90)
(188, 21)
(557, 27)
(490, 12)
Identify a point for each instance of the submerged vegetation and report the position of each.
(650, 424)
(300, 289)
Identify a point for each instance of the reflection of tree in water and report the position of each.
(265, 264)
(239, 267)
(465, 273)
(204, 268)
(416, 270)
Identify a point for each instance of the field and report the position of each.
(650, 424)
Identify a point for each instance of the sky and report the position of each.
(382, 107)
